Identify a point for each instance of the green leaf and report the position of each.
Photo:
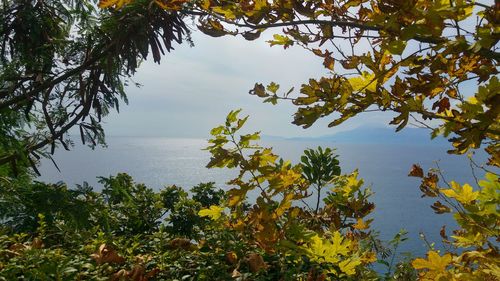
(273, 87)
(281, 40)
(396, 47)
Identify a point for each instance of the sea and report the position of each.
(159, 162)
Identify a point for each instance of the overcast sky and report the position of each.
(195, 87)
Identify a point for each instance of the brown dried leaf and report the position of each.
(442, 105)
(318, 52)
(259, 90)
(18, 247)
(439, 208)
(37, 243)
(119, 275)
(442, 232)
(137, 273)
(235, 274)
(329, 62)
(416, 171)
(106, 254)
(181, 243)
(429, 185)
(231, 258)
(256, 262)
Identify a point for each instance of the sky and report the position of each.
(194, 88)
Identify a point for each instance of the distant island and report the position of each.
(374, 135)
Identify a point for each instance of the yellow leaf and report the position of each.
(472, 100)
(106, 3)
(285, 204)
(257, 7)
(239, 225)
(226, 12)
(492, 269)
(434, 262)
(442, 4)
(352, 184)
(289, 177)
(340, 245)
(369, 257)
(214, 212)
(236, 195)
(322, 250)
(205, 4)
(468, 240)
(361, 225)
(281, 40)
(336, 250)
(465, 9)
(463, 194)
(348, 266)
(260, 4)
(266, 157)
(116, 3)
(170, 5)
(316, 248)
(364, 82)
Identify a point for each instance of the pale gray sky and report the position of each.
(194, 88)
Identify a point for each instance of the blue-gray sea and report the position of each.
(158, 162)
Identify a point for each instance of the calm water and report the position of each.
(164, 161)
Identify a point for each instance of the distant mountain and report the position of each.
(273, 138)
(382, 135)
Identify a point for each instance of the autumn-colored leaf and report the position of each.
(106, 254)
(442, 105)
(348, 266)
(256, 262)
(181, 244)
(361, 224)
(214, 212)
(434, 262)
(224, 11)
(37, 243)
(326, 250)
(231, 258)
(329, 62)
(429, 185)
(439, 208)
(416, 171)
(259, 90)
(235, 274)
(172, 5)
(117, 4)
(364, 82)
(464, 194)
(442, 232)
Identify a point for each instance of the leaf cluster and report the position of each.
(473, 251)
(64, 65)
